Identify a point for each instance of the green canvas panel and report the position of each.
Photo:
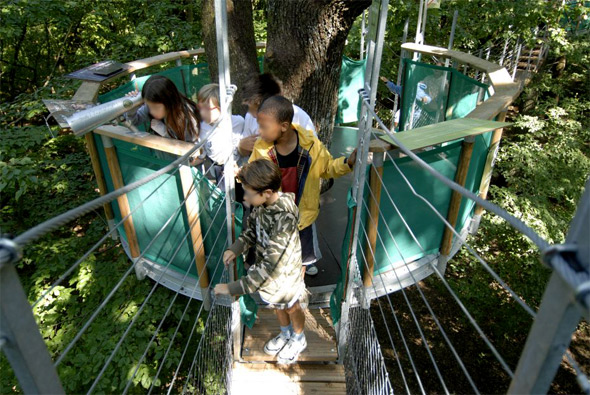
(352, 78)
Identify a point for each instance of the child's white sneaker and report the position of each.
(276, 344)
(291, 351)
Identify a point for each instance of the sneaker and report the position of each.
(311, 270)
(276, 344)
(291, 351)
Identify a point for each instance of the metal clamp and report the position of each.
(10, 252)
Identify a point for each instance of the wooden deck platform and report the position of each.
(317, 371)
(321, 339)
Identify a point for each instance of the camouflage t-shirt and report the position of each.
(276, 273)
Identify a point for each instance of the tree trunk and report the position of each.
(306, 40)
(242, 45)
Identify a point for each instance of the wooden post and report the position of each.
(372, 222)
(102, 185)
(113, 163)
(191, 207)
(487, 171)
(455, 205)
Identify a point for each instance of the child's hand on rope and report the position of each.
(221, 289)
(228, 257)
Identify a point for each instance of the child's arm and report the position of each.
(332, 168)
(280, 244)
(247, 238)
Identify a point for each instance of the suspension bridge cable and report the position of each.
(415, 319)
(172, 303)
(155, 286)
(110, 295)
(440, 275)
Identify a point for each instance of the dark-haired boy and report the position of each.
(276, 273)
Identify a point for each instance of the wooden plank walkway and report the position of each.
(316, 372)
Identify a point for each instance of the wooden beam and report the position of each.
(486, 177)
(100, 180)
(148, 140)
(88, 91)
(191, 208)
(117, 177)
(372, 222)
(455, 204)
(442, 132)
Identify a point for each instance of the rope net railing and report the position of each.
(140, 334)
(423, 350)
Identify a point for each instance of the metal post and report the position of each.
(22, 343)
(399, 73)
(452, 36)
(563, 304)
(517, 58)
(228, 170)
(374, 52)
(504, 52)
(419, 39)
(362, 53)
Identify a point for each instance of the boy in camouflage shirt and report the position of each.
(276, 274)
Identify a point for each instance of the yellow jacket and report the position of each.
(318, 164)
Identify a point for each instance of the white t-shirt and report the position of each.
(219, 145)
(300, 118)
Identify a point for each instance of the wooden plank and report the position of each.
(444, 132)
(456, 197)
(148, 140)
(372, 221)
(88, 91)
(298, 372)
(461, 57)
(295, 388)
(486, 177)
(124, 208)
(95, 160)
(191, 208)
(319, 333)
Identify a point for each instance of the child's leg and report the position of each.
(283, 317)
(297, 343)
(297, 318)
(276, 344)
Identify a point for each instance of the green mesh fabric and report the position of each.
(187, 78)
(352, 78)
(450, 94)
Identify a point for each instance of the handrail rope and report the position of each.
(40, 230)
(154, 287)
(101, 241)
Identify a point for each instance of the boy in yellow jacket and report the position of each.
(303, 160)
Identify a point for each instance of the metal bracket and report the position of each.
(10, 252)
